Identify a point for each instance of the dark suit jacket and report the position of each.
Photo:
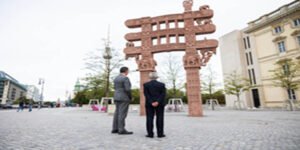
(154, 91)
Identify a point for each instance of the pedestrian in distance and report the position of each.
(21, 104)
(30, 105)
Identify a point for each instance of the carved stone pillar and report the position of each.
(146, 65)
(193, 92)
(192, 64)
(144, 76)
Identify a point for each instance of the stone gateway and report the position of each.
(174, 32)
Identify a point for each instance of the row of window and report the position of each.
(169, 25)
(278, 29)
(249, 59)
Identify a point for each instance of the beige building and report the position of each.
(253, 51)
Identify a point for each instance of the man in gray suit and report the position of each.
(122, 98)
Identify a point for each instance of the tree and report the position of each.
(103, 64)
(287, 75)
(208, 84)
(219, 95)
(235, 84)
(135, 96)
(170, 94)
(81, 98)
(22, 98)
(209, 87)
(173, 72)
(95, 85)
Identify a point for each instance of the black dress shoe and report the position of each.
(114, 131)
(125, 132)
(149, 136)
(161, 136)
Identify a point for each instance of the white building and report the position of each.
(33, 93)
(10, 89)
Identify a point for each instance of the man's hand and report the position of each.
(155, 104)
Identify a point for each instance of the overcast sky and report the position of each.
(50, 38)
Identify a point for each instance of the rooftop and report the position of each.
(5, 76)
(279, 13)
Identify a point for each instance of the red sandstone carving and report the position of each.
(204, 7)
(188, 4)
(152, 36)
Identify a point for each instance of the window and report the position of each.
(253, 75)
(172, 38)
(162, 26)
(163, 40)
(181, 39)
(298, 39)
(250, 78)
(154, 27)
(171, 24)
(251, 60)
(297, 22)
(247, 59)
(248, 41)
(286, 69)
(21, 94)
(292, 94)
(281, 47)
(13, 94)
(245, 44)
(180, 24)
(278, 29)
(154, 41)
(1, 88)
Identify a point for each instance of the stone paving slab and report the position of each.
(82, 129)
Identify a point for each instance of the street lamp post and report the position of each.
(41, 82)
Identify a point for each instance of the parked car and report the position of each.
(6, 106)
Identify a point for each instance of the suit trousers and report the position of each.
(159, 112)
(120, 115)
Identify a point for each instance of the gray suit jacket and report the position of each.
(122, 88)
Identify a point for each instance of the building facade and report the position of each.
(253, 52)
(10, 89)
(33, 93)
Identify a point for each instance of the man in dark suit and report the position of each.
(122, 98)
(155, 93)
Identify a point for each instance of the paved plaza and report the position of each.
(82, 129)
